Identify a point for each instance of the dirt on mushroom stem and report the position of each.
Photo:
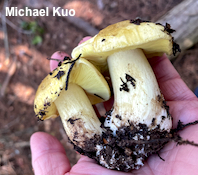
(124, 153)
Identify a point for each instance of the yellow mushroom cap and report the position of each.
(83, 74)
(151, 37)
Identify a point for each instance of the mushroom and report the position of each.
(69, 91)
(139, 121)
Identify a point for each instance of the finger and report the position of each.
(84, 39)
(171, 84)
(59, 55)
(48, 155)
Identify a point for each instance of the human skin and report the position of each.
(49, 157)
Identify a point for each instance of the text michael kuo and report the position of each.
(56, 11)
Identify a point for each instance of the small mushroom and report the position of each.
(69, 91)
(139, 118)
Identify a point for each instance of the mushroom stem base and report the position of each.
(129, 148)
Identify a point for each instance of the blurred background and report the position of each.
(26, 42)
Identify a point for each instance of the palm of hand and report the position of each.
(49, 156)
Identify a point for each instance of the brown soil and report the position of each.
(17, 121)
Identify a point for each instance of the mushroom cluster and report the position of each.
(139, 120)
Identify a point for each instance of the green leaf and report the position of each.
(37, 40)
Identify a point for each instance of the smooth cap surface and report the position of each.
(152, 38)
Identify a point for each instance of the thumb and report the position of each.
(48, 155)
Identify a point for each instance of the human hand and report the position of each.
(48, 155)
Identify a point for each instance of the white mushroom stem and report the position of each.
(78, 116)
(143, 103)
